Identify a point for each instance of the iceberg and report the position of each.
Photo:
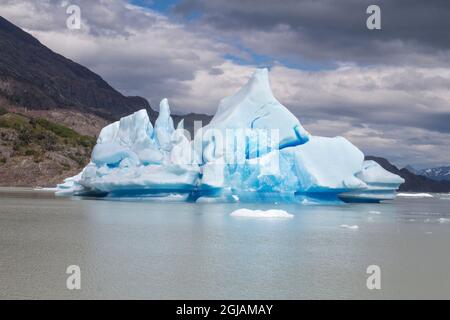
(254, 149)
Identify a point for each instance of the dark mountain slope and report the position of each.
(439, 173)
(33, 76)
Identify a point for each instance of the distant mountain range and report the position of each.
(439, 173)
(413, 182)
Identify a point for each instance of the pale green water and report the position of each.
(197, 251)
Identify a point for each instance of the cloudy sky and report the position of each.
(388, 90)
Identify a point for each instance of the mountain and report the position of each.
(413, 182)
(35, 77)
(439, 173)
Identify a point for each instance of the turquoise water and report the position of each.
(198, 251)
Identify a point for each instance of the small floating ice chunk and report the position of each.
(46, 189)
(444, 220)
(351, 227)
(415, 195)
(374, 212)
(272, 213)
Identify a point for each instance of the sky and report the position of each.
(387, 91)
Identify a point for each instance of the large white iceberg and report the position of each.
(253, 149)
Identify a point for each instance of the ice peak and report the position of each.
(180, 125)
(261, 73)
(164, 125)
(254, 107)
(164, 109)
(259, 83)
(164, 120)
(256, 91)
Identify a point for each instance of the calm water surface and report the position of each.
(198, 251)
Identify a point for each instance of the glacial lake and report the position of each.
(154, 250)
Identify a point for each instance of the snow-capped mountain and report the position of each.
(439, 173)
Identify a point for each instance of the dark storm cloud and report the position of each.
(412, 30)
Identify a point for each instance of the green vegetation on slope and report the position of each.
(36, 137)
